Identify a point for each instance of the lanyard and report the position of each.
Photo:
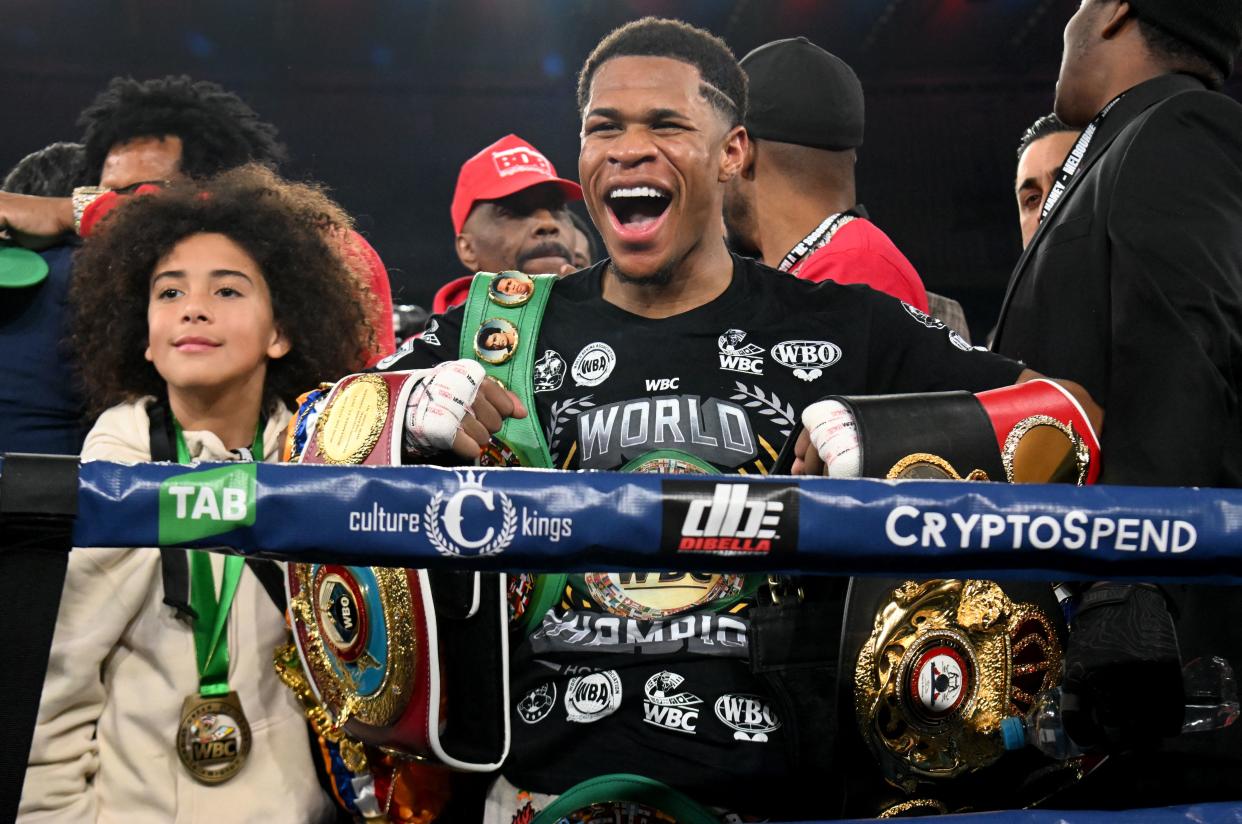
(211, 646)
(821, 235)
(1070, 167)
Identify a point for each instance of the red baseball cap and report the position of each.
(509, 165)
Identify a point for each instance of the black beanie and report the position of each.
(799, 93)
(1213, 27)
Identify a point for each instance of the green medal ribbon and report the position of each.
(211, 646)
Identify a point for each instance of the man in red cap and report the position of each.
(509, 213)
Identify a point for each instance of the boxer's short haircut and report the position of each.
(724, 82)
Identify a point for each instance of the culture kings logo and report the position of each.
(729, 518)
(476, 521)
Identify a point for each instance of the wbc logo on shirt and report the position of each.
(738, 356)
(665, 706)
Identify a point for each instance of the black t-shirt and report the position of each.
(649, 673)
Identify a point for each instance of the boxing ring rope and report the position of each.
(537, 520)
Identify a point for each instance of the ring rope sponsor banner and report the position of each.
(1217, 812)
(532, 520)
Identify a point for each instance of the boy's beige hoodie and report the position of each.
(122, 663)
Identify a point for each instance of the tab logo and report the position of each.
(736, 519)
(207, 502)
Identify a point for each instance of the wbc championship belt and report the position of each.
(1032, 432)
(370, 638)
(500, 330)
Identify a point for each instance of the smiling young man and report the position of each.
(673, 355)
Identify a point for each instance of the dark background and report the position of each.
(384, 100)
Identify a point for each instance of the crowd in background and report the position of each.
(168, 214)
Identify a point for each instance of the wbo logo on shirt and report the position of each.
(807, 358)
(203, 503)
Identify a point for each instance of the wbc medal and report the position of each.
(214, 737)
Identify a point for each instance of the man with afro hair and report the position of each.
(203, 129)
(161, 131)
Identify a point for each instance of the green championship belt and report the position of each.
(500, 328)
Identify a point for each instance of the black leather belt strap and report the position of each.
(795, 648)
(951, 425)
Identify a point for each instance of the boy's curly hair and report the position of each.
(293, 231)
(218, 130)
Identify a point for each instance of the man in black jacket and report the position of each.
(1132, 285)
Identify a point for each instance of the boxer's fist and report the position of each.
(828, 445)
(456, 409)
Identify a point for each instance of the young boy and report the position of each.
(199, 314)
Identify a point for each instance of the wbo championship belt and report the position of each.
(370, 638)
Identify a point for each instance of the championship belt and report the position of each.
(370, 638)
(643, 596)
(500, 330)
(1032, 432)
(939, 666)
(624, 797)
(361, 421)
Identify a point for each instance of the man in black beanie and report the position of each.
(1132, 285)
(793, 205)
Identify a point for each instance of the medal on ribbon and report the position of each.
(213, 738)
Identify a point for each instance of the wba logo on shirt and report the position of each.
(738, 518)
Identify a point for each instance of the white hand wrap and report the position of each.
(834, 434)
(438, 404)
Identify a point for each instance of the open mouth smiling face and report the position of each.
(650, 161)
(636, 212)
